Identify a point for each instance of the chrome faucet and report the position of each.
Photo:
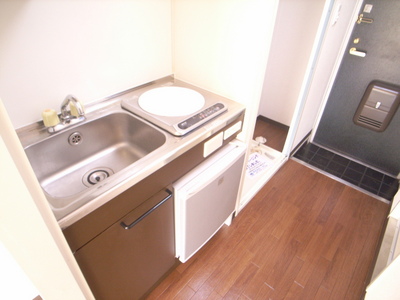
(67, 115)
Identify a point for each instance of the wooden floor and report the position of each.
(303, 236)
(274, 132)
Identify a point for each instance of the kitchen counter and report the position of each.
(171, 149)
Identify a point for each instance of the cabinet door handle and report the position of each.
(125, 226)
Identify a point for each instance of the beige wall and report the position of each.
(87, 48)
(223, 46)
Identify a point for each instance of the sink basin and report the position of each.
(72, 161)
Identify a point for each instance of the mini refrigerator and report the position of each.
(205, 199)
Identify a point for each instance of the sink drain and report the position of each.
(75, 139)
(96, 175)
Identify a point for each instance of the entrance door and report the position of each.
(375, 56)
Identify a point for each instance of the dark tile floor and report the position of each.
(357, 174)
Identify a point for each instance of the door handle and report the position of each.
(354, 51)
(361, 19)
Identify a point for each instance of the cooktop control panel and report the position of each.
(211, 111)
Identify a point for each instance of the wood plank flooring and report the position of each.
(303, 236)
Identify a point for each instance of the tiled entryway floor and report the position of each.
(350, 171)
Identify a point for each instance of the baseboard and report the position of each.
(305, 139)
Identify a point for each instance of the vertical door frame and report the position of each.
(334, 71)
(308, 76)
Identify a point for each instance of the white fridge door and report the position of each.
(205, 198)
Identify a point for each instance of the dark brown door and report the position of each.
(125, 263)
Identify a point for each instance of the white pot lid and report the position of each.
(171, 101)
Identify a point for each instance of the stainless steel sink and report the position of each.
(86, 163)
(71, 162)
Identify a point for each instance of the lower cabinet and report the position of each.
(127, 259)
(127, 245)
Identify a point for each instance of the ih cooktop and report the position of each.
(175, 106)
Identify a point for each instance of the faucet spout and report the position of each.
(75, 109)
(72, 112)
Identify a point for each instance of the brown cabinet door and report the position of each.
(125, 263)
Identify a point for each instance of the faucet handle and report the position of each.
(50, 118)
(76, 108)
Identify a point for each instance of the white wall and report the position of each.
(87, 48)
(223, 46)
(386, 286)
(294, 34)
(14, 283)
